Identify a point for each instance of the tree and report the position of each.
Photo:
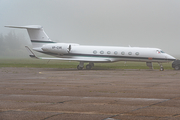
(12, 46)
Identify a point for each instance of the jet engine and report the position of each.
(59, 48)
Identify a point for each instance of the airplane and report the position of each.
(90, 54)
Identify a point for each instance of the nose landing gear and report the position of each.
(161, 67)
(150, 65)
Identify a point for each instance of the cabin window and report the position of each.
(94, 51)
(122, 53)
(108, 52)
(115, 52)
(102, 52)
(137, 53)
(130, 53)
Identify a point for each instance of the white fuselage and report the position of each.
(111, 54)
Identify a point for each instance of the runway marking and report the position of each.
(142, 99)
(129, 99)
(59, 112)
(81, 97)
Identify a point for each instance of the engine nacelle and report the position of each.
(59, 48)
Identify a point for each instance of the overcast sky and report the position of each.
(139, 23)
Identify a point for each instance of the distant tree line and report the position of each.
(12, 45)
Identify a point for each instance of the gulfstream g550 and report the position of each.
(91, 54)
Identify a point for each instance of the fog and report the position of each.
(139, 23)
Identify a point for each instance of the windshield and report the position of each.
(160, 51)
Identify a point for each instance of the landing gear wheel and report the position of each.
(88, 67)
(161, 69)
(79, 68)
(177, 67)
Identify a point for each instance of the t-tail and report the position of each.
(37, 35)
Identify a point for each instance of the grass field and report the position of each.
(34, 63)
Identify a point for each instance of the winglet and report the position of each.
(31, 54)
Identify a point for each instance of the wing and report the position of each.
(83, 59)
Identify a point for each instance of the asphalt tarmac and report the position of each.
(70, 94)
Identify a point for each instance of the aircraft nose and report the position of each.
(169, 57)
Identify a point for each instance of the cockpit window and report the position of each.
(162, 51)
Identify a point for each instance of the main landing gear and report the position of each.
(88, 66)
(79, 68)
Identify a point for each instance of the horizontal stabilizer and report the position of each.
(26, 27)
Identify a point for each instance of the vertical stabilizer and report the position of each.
(37, 35)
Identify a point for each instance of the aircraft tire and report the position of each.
(88, 67)
(161, 69)
(176, 67)
(79, 68)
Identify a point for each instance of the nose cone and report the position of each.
(169, 57)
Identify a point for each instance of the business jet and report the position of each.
(90, 54)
